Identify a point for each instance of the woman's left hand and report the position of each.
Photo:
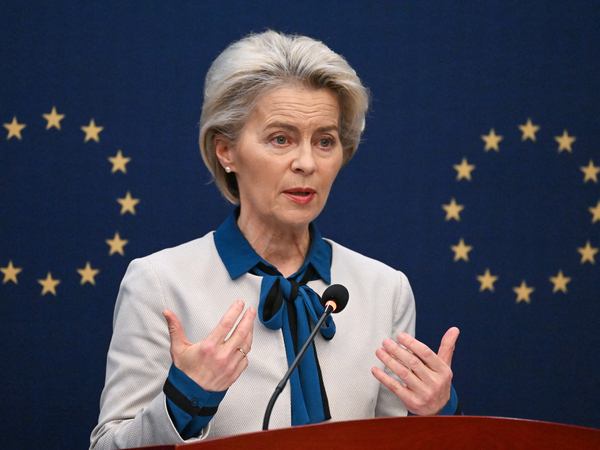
(428, 376)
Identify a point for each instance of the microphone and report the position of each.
(334, 299)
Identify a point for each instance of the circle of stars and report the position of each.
(453, 209)
(128, 203)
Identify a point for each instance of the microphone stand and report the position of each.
(288, 374)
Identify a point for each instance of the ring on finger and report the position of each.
(243, 352)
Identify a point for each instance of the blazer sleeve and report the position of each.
(404, 317)
(133, 410)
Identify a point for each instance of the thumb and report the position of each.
(446, 350)
(178, 340)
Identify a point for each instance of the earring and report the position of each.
(228, 169)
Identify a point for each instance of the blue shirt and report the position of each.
(239, 257)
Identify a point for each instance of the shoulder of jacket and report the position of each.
(347, 257)
(199, 250)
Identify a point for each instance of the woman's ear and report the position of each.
(224, 151)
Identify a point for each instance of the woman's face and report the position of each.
(287, 157)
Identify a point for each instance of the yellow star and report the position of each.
(10, 273)
(560, 282)
(529, 130)
(116, 244)
(491, 141)
(49, 285)
(92, 131)
(587, 253)
(523, 292)
(565, 141)
(88, 274)
(461, 251)
(128, 203)
(14, 129)
(119, 162)
(487, 281)
(464, 170)
(453, 210)
(591, 172)
(53, 119)
(596, 212)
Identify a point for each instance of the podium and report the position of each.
(410, 433)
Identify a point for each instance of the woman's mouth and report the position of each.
(302, 196)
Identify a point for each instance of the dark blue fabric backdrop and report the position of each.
(443, 74)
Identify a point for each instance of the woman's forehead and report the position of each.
(294, 106)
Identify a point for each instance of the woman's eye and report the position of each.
(325, 142)
(281, 140)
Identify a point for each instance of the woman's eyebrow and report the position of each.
(329, 128)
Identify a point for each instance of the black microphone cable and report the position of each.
(335, 299)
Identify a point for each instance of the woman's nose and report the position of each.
(304, 161)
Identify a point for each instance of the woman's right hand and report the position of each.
(214, 363)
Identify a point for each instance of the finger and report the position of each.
(425, 354)
(401, 391)
(400, 369)
(447, 346)
(250, 336)
(242, 335)
(226, 323)
(242, 352)
(410, 362)
(178, 340)
(246, 344)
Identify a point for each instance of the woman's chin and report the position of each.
(298, 217)
(286, 215)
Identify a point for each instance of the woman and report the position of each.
(281, 116)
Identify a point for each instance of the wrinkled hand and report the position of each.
(428, 376)
(214, 363)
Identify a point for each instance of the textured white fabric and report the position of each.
(192, 281)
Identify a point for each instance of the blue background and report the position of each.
(442, 74)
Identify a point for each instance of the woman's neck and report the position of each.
(283, 247)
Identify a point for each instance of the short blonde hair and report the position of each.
(266, 61)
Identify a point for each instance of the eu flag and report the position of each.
(478, 176)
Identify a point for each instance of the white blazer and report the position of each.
(192, 281)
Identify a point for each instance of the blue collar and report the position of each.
(239, 257)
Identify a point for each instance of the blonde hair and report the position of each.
(270, 60)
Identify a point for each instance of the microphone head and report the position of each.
(338, 294)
